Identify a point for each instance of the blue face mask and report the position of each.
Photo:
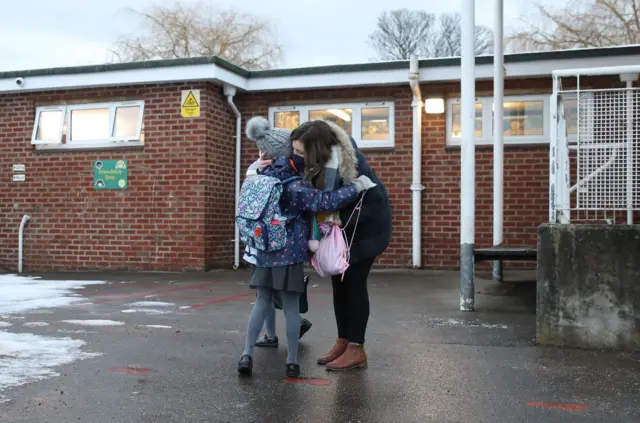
(298, 162)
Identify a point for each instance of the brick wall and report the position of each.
(526, 173)
(220, 151)
(175, 214)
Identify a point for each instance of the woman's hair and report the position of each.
(318, 138)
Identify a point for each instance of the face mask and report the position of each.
(298, 162)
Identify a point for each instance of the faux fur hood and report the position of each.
(347, 152)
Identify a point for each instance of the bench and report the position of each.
(505, 253)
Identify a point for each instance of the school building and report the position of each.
(136, 166)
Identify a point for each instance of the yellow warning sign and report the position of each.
(190, 106)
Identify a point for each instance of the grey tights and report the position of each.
(263, 305)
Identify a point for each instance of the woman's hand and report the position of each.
(262, 163)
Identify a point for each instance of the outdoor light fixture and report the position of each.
(434, 106)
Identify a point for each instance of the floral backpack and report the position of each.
(259, 218)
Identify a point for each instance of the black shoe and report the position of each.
(293, 370)
(245, 365)
(265, 341)
(305, 325)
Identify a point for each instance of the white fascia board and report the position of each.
(159, 75)
(602, 70)
(547, 67)
(538, 68)
(329, 80)
(212, 72)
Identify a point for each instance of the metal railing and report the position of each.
(595, 146)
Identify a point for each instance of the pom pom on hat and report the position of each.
(257, 127)
(271, 141)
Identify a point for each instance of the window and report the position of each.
(570, 101)
(370, 124)
(525, 120)
(289, 120)
(341, 117)
(457, 120)
(100, 125)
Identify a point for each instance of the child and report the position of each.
(282, 271)
(270, 339)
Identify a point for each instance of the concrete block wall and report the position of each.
(588, 292)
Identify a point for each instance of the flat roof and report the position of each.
(583, 53)
(215, 69)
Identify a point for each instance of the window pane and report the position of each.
(341, 117)
(126, 122)
(523, 118)
(89, 124)
(570, 102)
(571, 115)
(456, 114)
(287, 120)
(49, 126)
(375, 124)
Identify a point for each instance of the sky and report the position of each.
(70, 33)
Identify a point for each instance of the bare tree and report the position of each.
(577, 24)
(448, 42)
(200, 29)
(401, 33)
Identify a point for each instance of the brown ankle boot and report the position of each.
(353, 357)
(338, 349)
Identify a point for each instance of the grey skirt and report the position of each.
(287, 279)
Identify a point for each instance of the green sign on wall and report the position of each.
(110, 174)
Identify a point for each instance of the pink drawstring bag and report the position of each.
(332, 256)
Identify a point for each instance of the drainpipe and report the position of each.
(416, 186)
(25, 219)
(230, 92)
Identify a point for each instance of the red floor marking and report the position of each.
(130, 370)
(566, 407)
(204, 296)
(309, 381)
(187, 297)
(159, 291)
(222, 300)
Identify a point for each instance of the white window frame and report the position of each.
(356, 116)
(487, 122)
(39, 110)
(109, 142)
(573, 138)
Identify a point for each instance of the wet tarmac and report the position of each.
(428, 362)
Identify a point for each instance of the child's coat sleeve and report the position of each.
(307, 198)
(253, 169)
